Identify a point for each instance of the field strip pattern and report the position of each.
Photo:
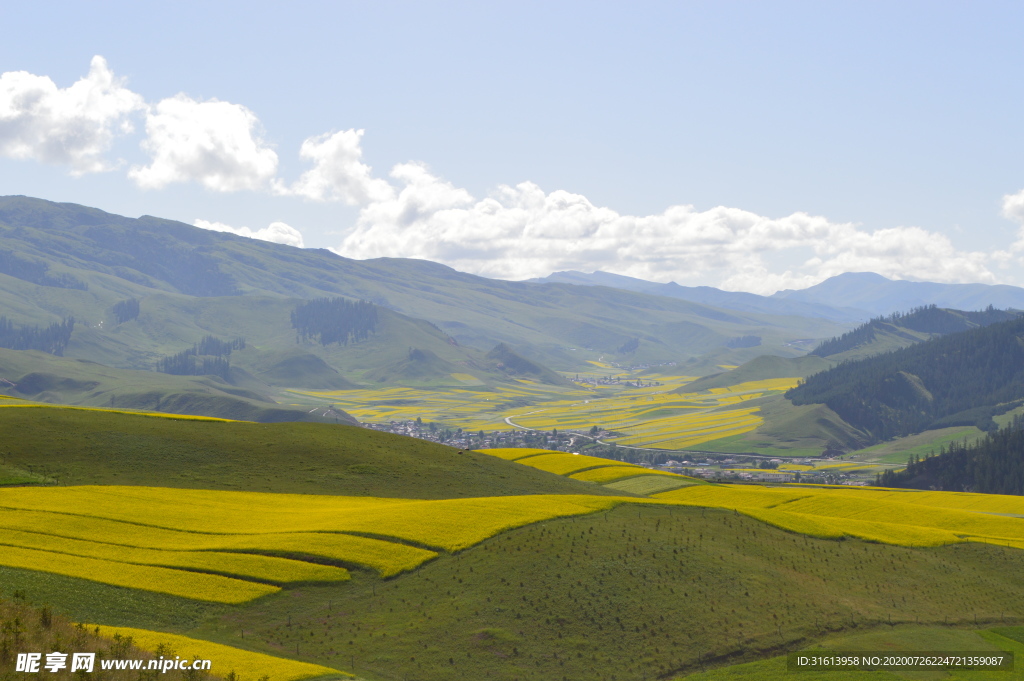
(159, 539)
(903, 517)
(617, 475)
(197, 586)
(616, 472)
(247, 665)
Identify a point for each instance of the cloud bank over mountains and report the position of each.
(517, 231)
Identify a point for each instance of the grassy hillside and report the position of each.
(89, 447)
(637, 591)
(905, 638)
(788, 430)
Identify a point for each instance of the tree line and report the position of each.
(126, 310)
(994, 465)
(53, 339)
(957, 379)
(334, 320)
(208, 357)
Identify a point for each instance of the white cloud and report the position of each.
(73, 126)
(517, 232)
(338, 172)
(1013, 207)
(276, 232)
(521, 231)
(214, 143)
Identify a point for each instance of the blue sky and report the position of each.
(748, 145)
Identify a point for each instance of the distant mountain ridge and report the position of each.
(881, 296)
(708, 295)
(66, 260)
(849, 297)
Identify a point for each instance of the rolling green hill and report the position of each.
(79, 447)
(631, 593)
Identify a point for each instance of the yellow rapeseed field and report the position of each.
(147, 538)
(195, 585)
(513, 453)
(903, 517)
(247, 665)
(388, 558)
(295, 525)
(267, 568)
(561, 463)
(640, 414)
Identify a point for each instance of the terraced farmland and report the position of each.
(637, 414)
(611, 474)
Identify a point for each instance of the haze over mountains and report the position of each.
(849, 297)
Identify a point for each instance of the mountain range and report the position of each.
(59, 261)
(128, 301)
(844, 298)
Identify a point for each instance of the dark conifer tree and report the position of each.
(335, 320)
(53, 339)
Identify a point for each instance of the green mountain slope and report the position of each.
(67, 260)
(900, 330)
(957, 379)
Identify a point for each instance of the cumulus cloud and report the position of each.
(516, 232)
(73, 126)
(338, 172)
(522, 231)
(1013, 207)
(215, 143)
(276, 232)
